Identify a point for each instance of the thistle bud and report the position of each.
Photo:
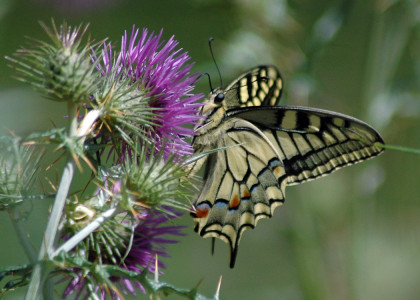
(61, 70)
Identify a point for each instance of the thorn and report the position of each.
(156, 269)
(199, 282)
(216, 296)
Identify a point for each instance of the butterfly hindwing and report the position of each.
(242, 186)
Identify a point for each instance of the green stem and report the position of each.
(400, 148)
(82, 234)
(47, 245)
(21, 233)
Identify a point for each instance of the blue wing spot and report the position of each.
(220, 203)
(275, 163)
(254, 188)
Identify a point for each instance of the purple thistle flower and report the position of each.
(161, 71)
(149, 240)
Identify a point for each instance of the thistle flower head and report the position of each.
(61, 70)
(160, 73)
(132, 245)
(146, 190)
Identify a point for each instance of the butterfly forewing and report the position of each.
(263, 149)
(261, 86)
(313, 142)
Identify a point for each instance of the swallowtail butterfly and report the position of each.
(264, 149)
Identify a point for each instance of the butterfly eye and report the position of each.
(219, 97)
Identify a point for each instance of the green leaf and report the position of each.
(100, 276)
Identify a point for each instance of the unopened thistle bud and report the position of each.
(62, 70)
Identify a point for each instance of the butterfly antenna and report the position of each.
(208, 75)
(214, 60)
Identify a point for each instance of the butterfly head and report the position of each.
(213, 111)
(215, 101)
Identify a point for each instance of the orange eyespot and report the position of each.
(234, 202)
(277, 170)
(246, 194)
(200, 211)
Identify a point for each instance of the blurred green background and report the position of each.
(352, 235)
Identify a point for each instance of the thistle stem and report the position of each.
(40, 272)
(82, 234)
(21, 233)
